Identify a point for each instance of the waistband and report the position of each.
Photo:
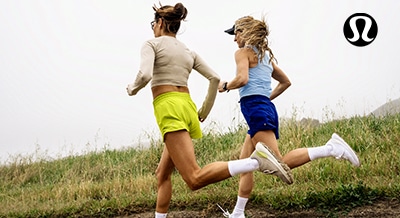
(254, 97)
(181, 95)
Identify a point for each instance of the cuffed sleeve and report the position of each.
(140, 82)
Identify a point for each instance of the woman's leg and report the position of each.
(268, 138)
(246, 179)
(246, 182)
(164, 185)
(293, 159)
(335, 147)
(181, 152)
(296, 157)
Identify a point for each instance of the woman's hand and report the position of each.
(129, 89)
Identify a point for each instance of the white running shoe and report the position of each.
(341, 150)
(228, 215)
(270, 164)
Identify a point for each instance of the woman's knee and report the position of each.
(193, 185)
(192, 181)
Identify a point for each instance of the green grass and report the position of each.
(111, 182)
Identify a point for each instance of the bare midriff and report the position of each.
(161, 89)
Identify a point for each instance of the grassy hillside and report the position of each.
(111, 183)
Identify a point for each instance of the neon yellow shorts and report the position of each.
(176, 111)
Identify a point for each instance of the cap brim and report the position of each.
(231, 31)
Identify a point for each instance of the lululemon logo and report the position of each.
(360, 29)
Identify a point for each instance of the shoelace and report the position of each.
(338, 156)
(225, 212)
(341, 156)
(269, 171)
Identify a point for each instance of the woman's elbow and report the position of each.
(217, 79)
(214, 79)
(243, 81)
(285, 84)
(288, 84)
(146, 78)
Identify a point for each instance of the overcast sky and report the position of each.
(64, 66)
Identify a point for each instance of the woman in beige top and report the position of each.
(168, 62)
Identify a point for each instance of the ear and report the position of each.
(160, 22)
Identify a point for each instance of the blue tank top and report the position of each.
(259, 82)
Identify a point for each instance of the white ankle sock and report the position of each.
(319, 152)
(246, 165)
(240, 205)
(160, 215)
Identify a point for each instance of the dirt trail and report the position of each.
(377, 210)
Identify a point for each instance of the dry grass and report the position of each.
(111, 183)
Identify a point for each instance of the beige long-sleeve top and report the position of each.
(167, 61)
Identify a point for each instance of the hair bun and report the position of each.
(180, 11)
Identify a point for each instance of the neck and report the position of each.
(165, 33)
(169, 34)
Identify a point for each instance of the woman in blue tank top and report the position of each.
(255, 68)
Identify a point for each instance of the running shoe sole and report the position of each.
(281, 169)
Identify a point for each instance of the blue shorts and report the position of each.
(260, 114)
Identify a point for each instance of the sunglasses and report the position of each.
(152, 24)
